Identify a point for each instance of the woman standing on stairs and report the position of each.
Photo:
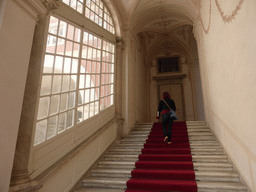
(164, 110)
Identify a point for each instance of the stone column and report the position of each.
(118, 86)
(20, 180)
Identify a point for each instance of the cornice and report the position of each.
(37, 8)
(169, 77)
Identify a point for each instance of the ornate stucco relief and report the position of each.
(228, 18)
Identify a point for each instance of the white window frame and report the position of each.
(70, 138)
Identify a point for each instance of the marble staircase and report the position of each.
(214, 172)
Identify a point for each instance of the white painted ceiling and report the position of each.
(157, 21)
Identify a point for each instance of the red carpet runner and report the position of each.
(163, 167)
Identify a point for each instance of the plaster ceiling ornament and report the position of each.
(228, 9)
(182, 33)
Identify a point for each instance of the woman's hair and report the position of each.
(166, 94)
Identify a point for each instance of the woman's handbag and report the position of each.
(172, 113)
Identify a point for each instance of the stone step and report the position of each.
(203, 186)
(139, 132)
(200, 175)
(204, 143)
(216, 176)
(196, 123)
(143, 126)
(98, 190)
(213, 171)
(193, 138)
(198, 166)
(138, 152)
(202, 138)
(198, 130)
(200, 134)
(141, 146)
(145, 135)
(102, 182)
(195, 158)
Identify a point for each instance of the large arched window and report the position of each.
(95, 10)
(77, 79)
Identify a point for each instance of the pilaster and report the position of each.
(20, 180)
(119, 85)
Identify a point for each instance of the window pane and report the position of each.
(96, 107)
(88, 67)
(60, 46)
(87, 96)
(58, 64)
(80, 97)
(53, 26)
(97, 93)
(62, 122)
(77, 35)
(43, 107)
(88, 81)
(52, 127)
(70, 34)
(46, 85)
(81, 81)
(91, 109)
(80, 114)
(63, 29)
(56, 84)
(85, 40)
(92, 80)
(63, 102)
(48, 63)
(40, 134)
(76, 50)
(67, 65)
(54, 107)
(86, 112)
(73, 82)
(74, 65)
(84, 52)
(70, 119)
(51, 44)
(79, 7)
(65, 83)
(69, 48)
(71, 100)
(83, 66)
(92, 95)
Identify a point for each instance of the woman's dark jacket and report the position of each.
(163, 108)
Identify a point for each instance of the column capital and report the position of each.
(37, 8)
(120, 42)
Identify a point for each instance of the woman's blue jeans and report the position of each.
(167, 120)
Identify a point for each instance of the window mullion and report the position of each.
(78, 75)
(100, 72)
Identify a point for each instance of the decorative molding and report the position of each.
(169, 77)
(206, 30)
(37, 8)
(228, 18)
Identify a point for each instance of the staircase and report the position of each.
(212, 170)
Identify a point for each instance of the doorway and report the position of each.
(173, 85)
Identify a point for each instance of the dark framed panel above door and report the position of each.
(174, 85)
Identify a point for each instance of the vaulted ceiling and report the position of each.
(160, 23)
